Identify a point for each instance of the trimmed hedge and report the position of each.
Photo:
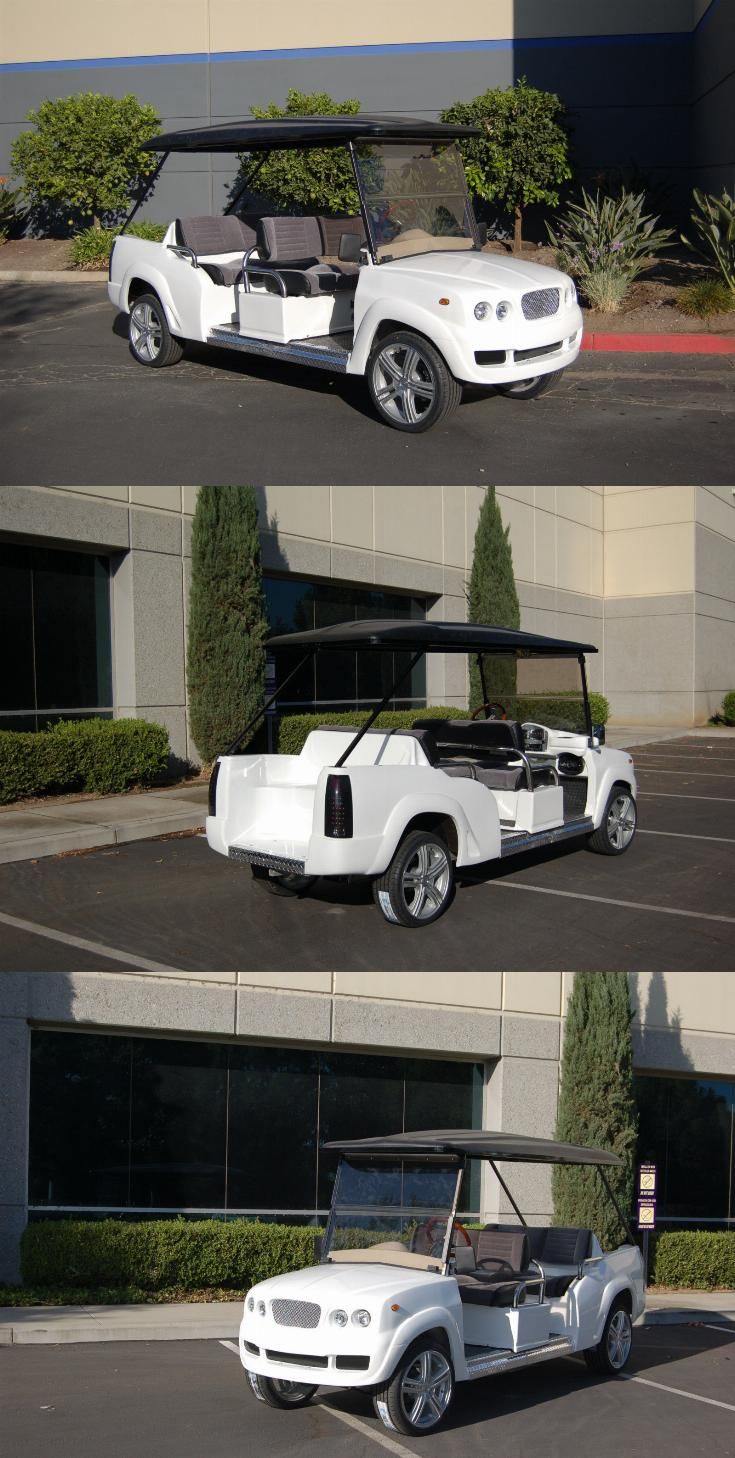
(153, 1254)
(701, 1259)
(103, 756)
(293, 729)
(728, 707)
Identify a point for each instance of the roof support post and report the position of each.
(623, 1222)
(363, 204)
(586, 697)
(504, 1187)
(244, 187)
(383, 702)
(262, 712)
(481, 668)
(150, 183)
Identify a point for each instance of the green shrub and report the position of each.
(728, 707)
(318, 180)
(92, 247)
(701, 1259)
(9, 210)
(705, 298)
(294, 729)
(605, 243)
(713, 220)
(101, 756)
(154, 1254)
(84, 155)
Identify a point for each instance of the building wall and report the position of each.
(713, 97)
(513, 1022)
(204, 61)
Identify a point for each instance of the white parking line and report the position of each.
(700, 774)
(672, 795)
(684, 835)
(678, 1391)
(375, 1435)
(649, 754)
(611, 901)
(110, 954)
(729, 1329)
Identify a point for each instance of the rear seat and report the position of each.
(291, 249)
(207, 236)
(491, 1272)
(482, 750)
(559, 1249)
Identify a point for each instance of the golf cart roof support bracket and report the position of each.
(504, 1187)
(483, 685)
(449, 1233)
(586, 697)
(383, 702)
(610, 1193)
(150, 183)
(244, 187)
(363, 203)
(264, 710)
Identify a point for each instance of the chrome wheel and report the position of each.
(426, 1390)
(426, 880)
(403, 383)
(619, 1339)
(621, 820)
(292, 1391)
(146, 332)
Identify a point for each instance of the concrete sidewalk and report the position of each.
(29, 832)
(219, 1320)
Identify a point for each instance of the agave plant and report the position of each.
(605, 243)
(713, 219)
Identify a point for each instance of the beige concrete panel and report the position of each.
(516, 493)
(461, 990)
(352, 515)
(113, 493)
(532, 992)
(714, 655)
(300, 511)
(233, 28)
(701, 1003)
(546, 527)
(666, 709)
(52, 32)
(164, 498)
(189, 499)
(646, 560)
(518, 515)
(279, 1015)
(474, 497)
(715, 563)
(716, 510)
(664, 605)
(652, 654)
(578, 558)
(411, 574)
(454, 510)
(363, 1022)
(300, 555)
(650, 506)
(579, 504)
(409, 518)
(706, 704)
(350, 565)
(39, 512)
(287, 981)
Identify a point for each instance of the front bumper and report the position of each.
(274, 1351)
(519, 358)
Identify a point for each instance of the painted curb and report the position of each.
(53, 842)
(659, 343)
(681, 1316)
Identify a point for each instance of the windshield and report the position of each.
(401, 1206)
(415, 197)
(544, 691)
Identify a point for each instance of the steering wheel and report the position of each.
(435, 1220)
(492, 705)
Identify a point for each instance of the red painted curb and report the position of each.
(660, 343)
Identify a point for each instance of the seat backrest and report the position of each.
(480, 733)
(206, 235)
(289, 240)
(565, 1245)
(332, 229)
(503, 1250)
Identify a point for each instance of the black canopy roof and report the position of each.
(265, 134)
(477, 1144)
(401, 634)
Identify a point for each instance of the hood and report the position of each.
(481, 270)
(334, 1284)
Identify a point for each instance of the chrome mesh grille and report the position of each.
(540, 303)
(575, 798)
(296, 1313)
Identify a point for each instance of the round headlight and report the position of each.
(482, 310)
(261, 1308)
(338, 1318)
(502, 309)
(251, 1303)
(361, 1318)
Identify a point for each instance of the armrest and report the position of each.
(182, 251)
(248, 268)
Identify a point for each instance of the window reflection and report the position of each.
(686, 1127)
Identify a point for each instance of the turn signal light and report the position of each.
(338, 807)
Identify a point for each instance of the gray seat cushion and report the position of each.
(331, 230)
(206, 235)
(291, 247)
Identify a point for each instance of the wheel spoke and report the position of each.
(390, 366)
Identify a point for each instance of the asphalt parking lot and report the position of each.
(665, 905)
(76, 409)
(189, 1400)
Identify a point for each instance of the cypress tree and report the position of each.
(596, 1103)
(492, 598)
(227, 622)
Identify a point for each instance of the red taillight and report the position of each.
(338, 807)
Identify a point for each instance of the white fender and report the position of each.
(412, 316)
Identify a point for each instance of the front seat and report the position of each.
(290, 248)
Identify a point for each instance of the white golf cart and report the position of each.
(408, 1301)
(402, 294)
(409, 807)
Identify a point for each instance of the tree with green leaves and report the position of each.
(522, 155)
(227, 621)
(85, 155)
(597, 1104)
(492, 598)
(319, 179)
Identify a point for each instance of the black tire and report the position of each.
(612, 1353)
(618, 826)
(281, 1394)
(418, 884)
(531, 388)
(287, 884)
(151, 340)
(416, 385)
(426, 1360)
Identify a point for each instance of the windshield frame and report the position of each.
(422, 1212)
(372, 243)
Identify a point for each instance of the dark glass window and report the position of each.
(340, 681)
(687, 1128)
(167, 1124)
(55, 609)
